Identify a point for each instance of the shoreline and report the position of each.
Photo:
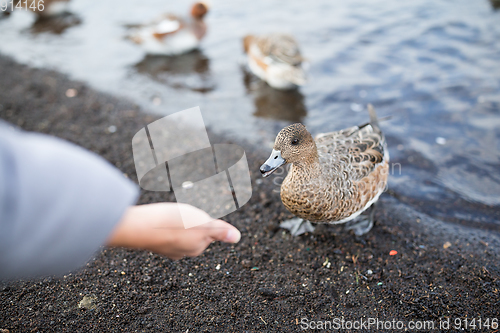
(268, 281)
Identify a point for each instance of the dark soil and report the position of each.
(267, 282)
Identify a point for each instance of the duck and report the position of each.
(171, 34)
(276, 59)
(334, 177)
(44, 8)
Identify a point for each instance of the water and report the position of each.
(434, 66)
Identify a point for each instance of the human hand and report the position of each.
(159, 228)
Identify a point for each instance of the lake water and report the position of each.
(434, 66)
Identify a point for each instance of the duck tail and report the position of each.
(373, 117)
(297, 76)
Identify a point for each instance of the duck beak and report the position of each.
(272, 164)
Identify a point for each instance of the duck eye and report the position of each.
(295, 141)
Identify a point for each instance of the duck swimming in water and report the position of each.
(334, 177)
(276, 59)
(173, 35)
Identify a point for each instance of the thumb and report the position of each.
(224, 232)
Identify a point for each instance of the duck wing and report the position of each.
(281, 48)
(166, 25)
(359, 148)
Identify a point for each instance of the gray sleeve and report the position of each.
(58, 204)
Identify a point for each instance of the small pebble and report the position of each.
(369, 272)
(446, 245)
(88, 302)
(217, 267)
(112, 129)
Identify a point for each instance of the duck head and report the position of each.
(199, 10)
(294, 144)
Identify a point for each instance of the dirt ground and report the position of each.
(269, 281)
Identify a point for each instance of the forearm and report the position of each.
(140, 227)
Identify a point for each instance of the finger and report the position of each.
(224, 232)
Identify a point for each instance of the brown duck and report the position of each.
(276, 59)
(171, 34)
(334, 177)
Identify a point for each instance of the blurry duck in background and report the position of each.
(333, 178)
(51, 15)
(171, 34)
(276, 59)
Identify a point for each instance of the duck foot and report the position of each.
(297, 226)
(361, 225)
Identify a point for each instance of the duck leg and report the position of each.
(297, 226)
(362, 224)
